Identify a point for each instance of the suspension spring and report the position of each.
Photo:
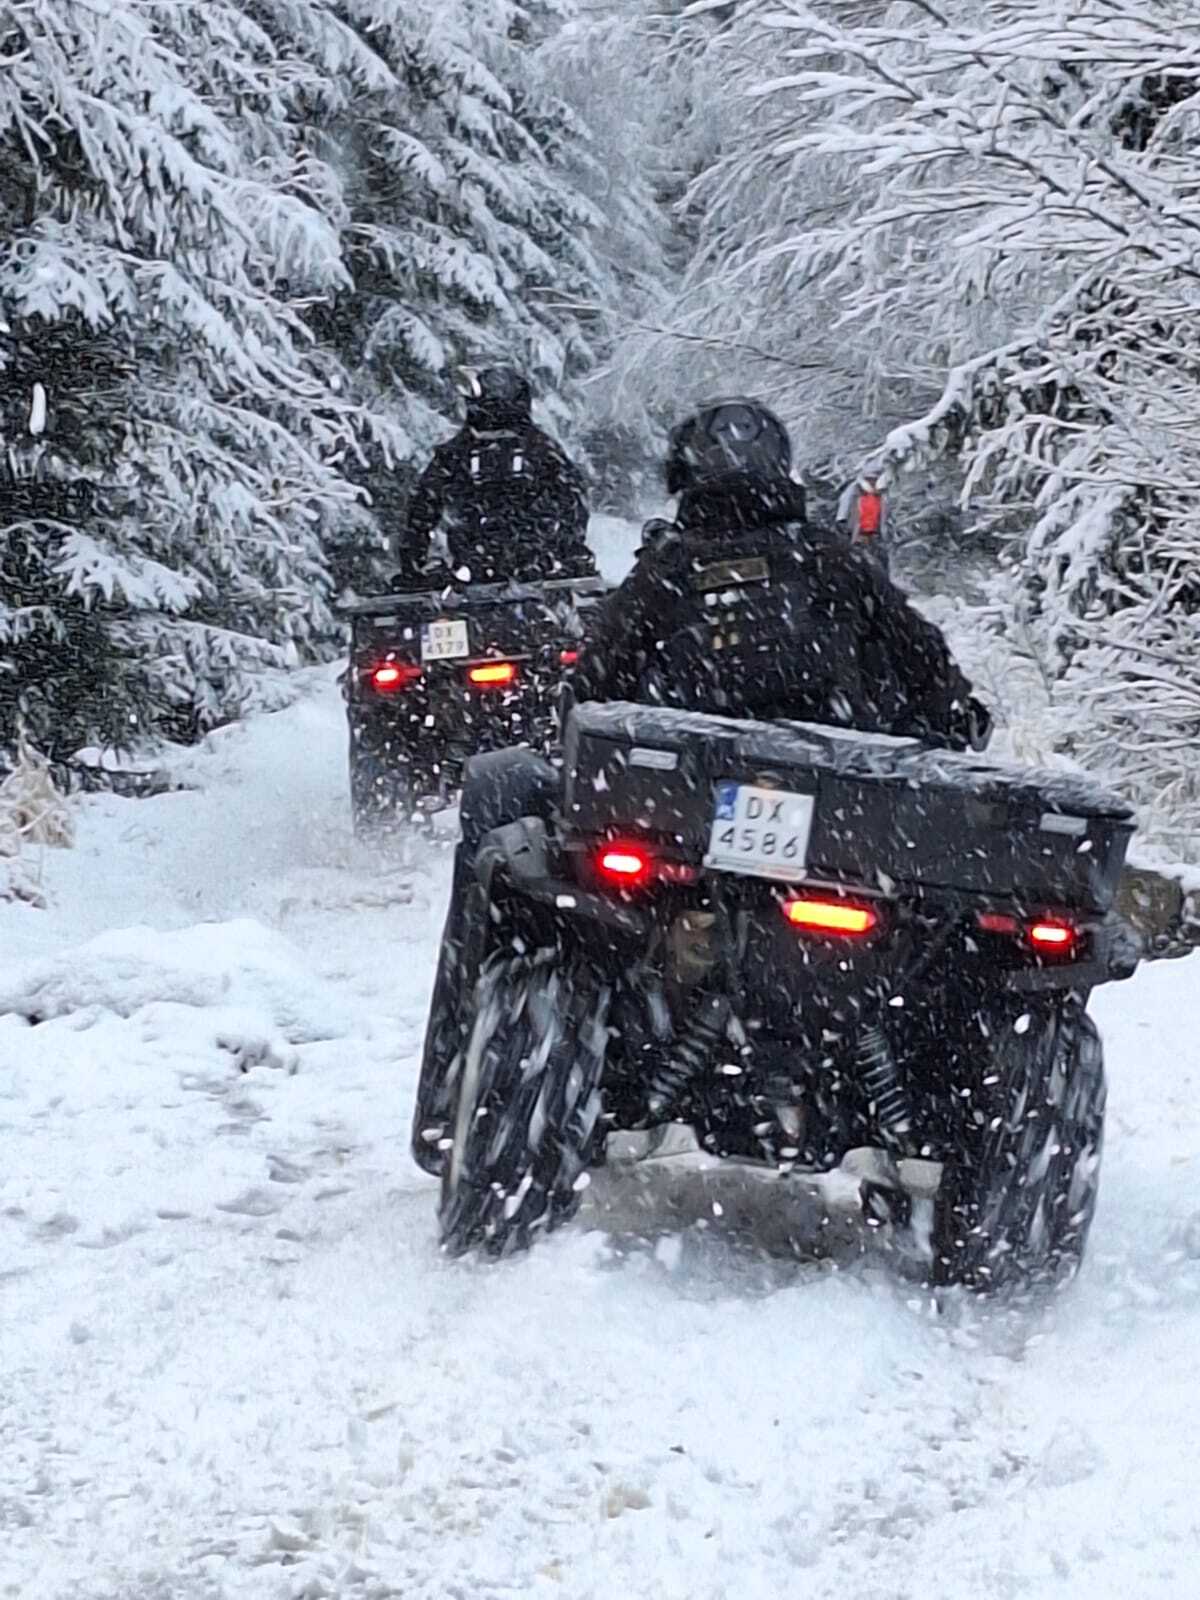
(886, 1091)
(691, 1053)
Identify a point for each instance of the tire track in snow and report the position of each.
(307, 1400)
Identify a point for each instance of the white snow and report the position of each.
(233, 1365)
(133, 970)
(615, 542)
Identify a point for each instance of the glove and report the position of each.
(970, 724)
(979, 724)
(415, 575)
(655, 531)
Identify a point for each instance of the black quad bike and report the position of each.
(801, 943)
(438, 674)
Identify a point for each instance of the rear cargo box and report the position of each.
(887, 811)
(505, 619)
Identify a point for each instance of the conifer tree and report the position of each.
(1020, 232)
(168, 441)
(466, 235)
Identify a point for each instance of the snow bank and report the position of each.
(239, 1367)
(239, 967)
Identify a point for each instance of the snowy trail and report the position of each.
(233, 1364)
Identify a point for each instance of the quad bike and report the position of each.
(800, 943)
(438, 674)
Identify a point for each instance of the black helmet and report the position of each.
(733, 438)
(496, 389)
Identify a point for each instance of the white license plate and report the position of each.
(444, 641)
(761, 833)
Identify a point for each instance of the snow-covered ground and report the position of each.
(233, 1363)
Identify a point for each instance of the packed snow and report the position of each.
(235, 1366)
(251, 245)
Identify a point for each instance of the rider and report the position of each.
(742, 608)
(512, 505)
(745, 608)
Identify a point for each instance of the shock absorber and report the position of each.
(690, 1055)
(883, 1085)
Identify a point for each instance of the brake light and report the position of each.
(625, 864)
(1052, 938)
(568, 658)
(1045, 936)
(394, 676)
(817, 915)
(493, 674)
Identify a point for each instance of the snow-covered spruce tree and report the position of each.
(617, 67)
(744, 317)
(1024, 212)
(465, 232)
(167, 440)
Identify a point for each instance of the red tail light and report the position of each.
(568, 658)
(1045, 936)
(625, 864)
(632, 866)
(870, 512)
(394, 676)
(1053, 938)
(493, 674)
(817, 915)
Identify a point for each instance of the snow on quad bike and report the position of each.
(801, 943)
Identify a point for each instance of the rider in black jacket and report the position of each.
(745, 609)
(742, 608)
(511, 503)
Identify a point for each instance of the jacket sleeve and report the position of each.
(426, 506)
(563, 499)
(622, 636)
(574, 500)
(935, 699)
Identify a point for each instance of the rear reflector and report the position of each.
(1053, 938)
(830, 916)
(568, 658)
(493, 674)
(393, 676)
(870, 512)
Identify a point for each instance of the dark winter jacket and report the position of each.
(743, 610)
(512, 505)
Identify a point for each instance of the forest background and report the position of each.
(244, 245)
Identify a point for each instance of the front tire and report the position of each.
(1017, 1201)
(527, 1104)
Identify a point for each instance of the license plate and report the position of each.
(760, 833)
(444, 641)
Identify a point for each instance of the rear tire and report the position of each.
(1015, 1206)
(443, 1041)
(527, 1104)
